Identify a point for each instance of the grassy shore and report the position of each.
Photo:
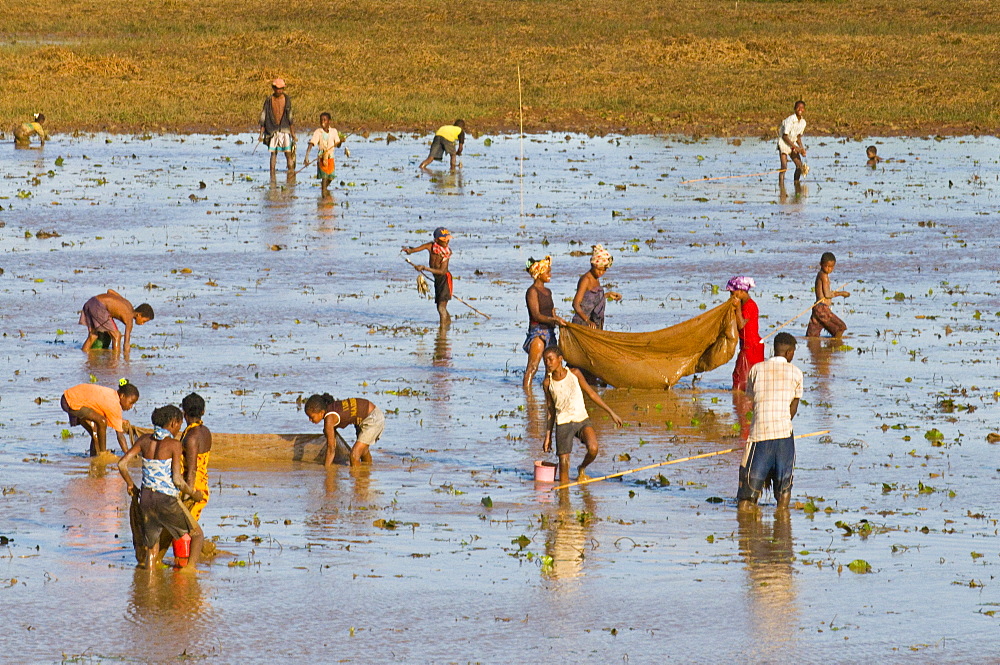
(691, 66)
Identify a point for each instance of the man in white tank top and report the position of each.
(567, 412)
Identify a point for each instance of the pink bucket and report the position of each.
(545, 472)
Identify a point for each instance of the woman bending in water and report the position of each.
(751, 350)
(590, 299)
(368, 421)
(24, 131)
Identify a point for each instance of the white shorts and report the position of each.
(280, 142)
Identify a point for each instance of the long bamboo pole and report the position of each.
(800, 313)
(417, 268)
(727, 177)
(676, 461)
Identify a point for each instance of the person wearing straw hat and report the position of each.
(439, 254)
(751, 350)
(542, 319)
(276, 125)
(775, 388)
(590, 298)
(790, 142)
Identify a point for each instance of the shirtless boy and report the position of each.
(823, 317)
(99, 314)
(567, 413)
(438, 256)
(542, 319)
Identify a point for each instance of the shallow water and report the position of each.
(266, 292)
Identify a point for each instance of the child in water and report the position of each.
(823, 317)
(439, 254)
(96, 408)
(368, 421)
(325, 139)
(873, 158)
(24, 131)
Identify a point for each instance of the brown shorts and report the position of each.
(162, 512)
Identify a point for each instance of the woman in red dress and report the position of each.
(751, 350)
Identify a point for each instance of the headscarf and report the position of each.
(601, 258)
(741, 283)
(536, 267)
(160, 433)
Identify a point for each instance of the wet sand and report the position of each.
(265, 292)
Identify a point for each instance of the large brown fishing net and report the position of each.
(655, 359)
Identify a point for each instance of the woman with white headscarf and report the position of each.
(590, 298)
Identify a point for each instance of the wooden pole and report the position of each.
(726, 177)
(417, 268)
(520, 114)
(676, 461)
(800, 313)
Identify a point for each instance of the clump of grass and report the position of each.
(691, 66)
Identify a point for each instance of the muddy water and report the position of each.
(265, 292)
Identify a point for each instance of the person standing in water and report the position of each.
(160, 504)
(96, 408)
(444, 142)
(438, 258)
(542, 319)
(276, 126)
(790, 142)
(196, 442)
(823, 317)
(751, 349)
(590, 298)
(567, 413)
(775, 388)
(99, 314)
(326, 139)
(368, 421)
(24, 131)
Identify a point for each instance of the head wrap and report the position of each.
(160, 433)
(740, 283)
(441, 232)
(536, 267)
(601, 258)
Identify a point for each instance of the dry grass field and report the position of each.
(693, 66)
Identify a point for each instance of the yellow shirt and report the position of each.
(450, 132)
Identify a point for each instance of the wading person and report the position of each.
(325, 139)
(444, 142)
(542, 319)
(775, 388)
(590, 298)
(99, 314)
(567, 413)
(96, 408)
(823, 317)
(368, 421)
(196, 442)
(790, 142)
(438, 257)
(871, 153)
(751, 350)
(276, 126)
(160, 504)
(24, 131)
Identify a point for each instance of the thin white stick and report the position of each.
(520, 113)
(762, 339)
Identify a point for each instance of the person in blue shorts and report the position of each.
(775, 388)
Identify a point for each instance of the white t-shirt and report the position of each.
(325, 141)
(568, 398)
(794, 127)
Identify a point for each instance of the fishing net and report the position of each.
(655, 359)
(236, 448)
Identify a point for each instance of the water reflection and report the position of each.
(442, 348)
(568, 530)
(168, 612)
(821, 354)
(766, 549)
(801, 192)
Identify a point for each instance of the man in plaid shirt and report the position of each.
(775, 387)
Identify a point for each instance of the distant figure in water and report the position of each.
(160, 506)
(99, 314)
(567, 413)
(823, 317)
(775, 388)
(438, 257)
(790, 145)
(96, 408)
(542, 319)
(444, 142)
(24, 131)
(872, 154)
(590, 298)
(751, 350)
(368, 421)
(276, 126)
(326, 139)
(196, 442)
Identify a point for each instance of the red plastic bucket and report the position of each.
(182, 547)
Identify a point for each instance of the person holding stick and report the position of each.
(775, 388)
(751, 349)
(439, 254)
(542, 319)
(790, 142)
(276, 126)
(567, 413)
(823, 317)
(326, 139)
